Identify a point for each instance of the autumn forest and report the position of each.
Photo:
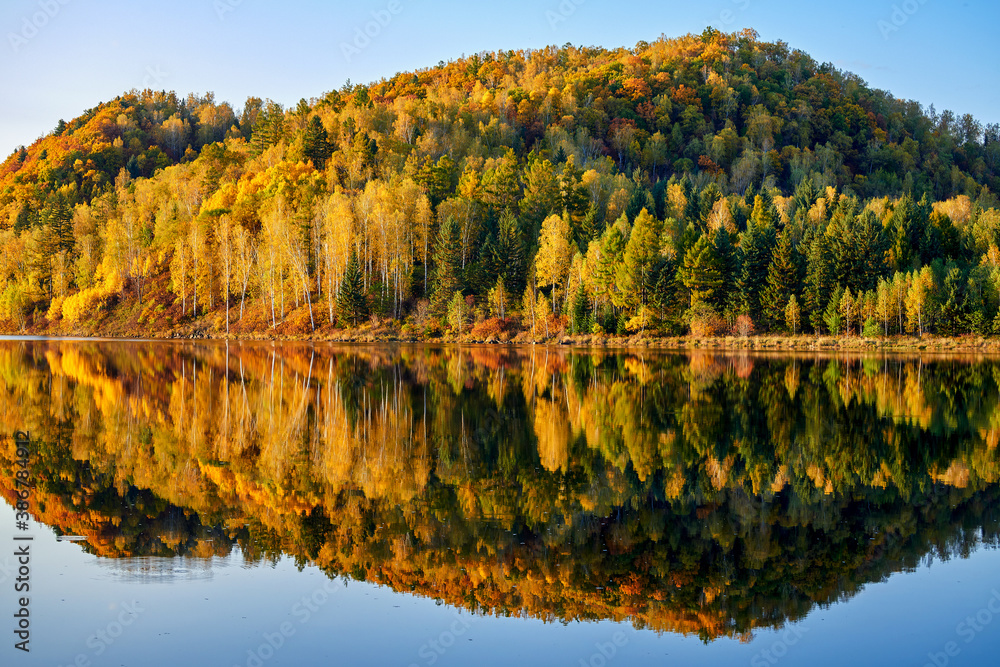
(709, 184)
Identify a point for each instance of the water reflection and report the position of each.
(703, 493)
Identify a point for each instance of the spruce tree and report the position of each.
(316, 143)
(727, 297)
(637, 275)
(832, 318)
(447, 264)
(820, 280)
(509, 252)
(755, 251)
(352, 302)
(702, 271)
(782, 282)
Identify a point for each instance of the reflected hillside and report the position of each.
(700, 493)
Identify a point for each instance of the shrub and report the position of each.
(705, 322)
(872, 329)
(55, 309)
(743, 327)
(84, 303)
(494, 327)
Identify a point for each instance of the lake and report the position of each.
(198, 503)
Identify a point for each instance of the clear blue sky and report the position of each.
(943, 53)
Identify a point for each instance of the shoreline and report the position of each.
(756, 343)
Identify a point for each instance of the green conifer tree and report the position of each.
(782, 282)
(352, 302)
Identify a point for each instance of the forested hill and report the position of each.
(693, 184)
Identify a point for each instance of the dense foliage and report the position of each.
(701, 183)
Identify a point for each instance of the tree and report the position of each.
(792, 315)
(755, 246)
(917, 299)
(498, 299)
(447, 264)
(578, 311)
(702, 271)
(268, 127)
(352, 303)
(782, 282)
(541, 193)
(244, 258)
(316, 144)
(884, 305)
(225, 248)
(727, 296)
(820, 280)
(509, 251)
(554, 253)
(831, 316)
(638, 270)
(457, 312)
(848, 307)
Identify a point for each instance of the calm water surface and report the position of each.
(259, 504)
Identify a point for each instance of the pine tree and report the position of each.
(702, 272)
(637, 275)
(819, 281)
(755, 249)
(871, 250)
(447, 264)
(782, 282)
(831, 316)
(727, 296)
(316, 144)
(269, 127)
(352, 302)
(509, 252)
(61, 219)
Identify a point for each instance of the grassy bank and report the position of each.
(130, 321)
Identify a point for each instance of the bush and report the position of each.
(494, 327)
(743, 327)
(705, 322)
(84, 303)
(872, 329)
(55, 309)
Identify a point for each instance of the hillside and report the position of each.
(701, 184)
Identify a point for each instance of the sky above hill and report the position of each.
(60, 57)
